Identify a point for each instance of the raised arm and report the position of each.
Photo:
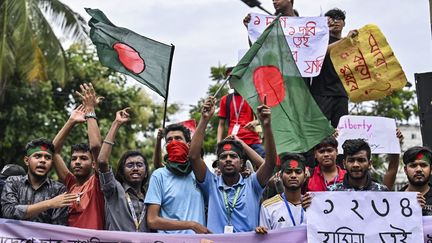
(220, 130)
(122, 116)
(265, 171)
(77, 116)
(393, 166)
(90, 101)
(198, 166)
(157, 153)
(253, 156)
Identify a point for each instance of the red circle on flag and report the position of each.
(268, 81)
(130, 58)
(294, 164)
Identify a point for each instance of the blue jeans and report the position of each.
(258, 148)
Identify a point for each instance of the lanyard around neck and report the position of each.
(290, 213)
(131, 207)
(237, 113)
(229, 208)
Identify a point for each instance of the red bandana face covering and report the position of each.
(177, 152)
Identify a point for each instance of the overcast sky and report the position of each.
(208, 32)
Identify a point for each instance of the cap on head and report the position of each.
(417, 153)
(11, 170)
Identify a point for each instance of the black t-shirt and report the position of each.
(327, 83)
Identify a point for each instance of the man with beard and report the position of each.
(88, 210)
(25, 197)
(124, 193)
(175, 203)
(357, 162)
(417, 168)
(233, 201)
(285, 209)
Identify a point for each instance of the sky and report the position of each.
(207, 33)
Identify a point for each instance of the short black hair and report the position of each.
(328, 141)
(39, 142)
(353, 146)
(336, 13)
(178, 127)
(411, 154)
(82, 147)
(120, 167)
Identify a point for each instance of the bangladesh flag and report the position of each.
(146, 60)
(269, 70)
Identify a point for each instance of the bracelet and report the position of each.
(91, 114)
(108, 142)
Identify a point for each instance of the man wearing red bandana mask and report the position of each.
(417, 168)
(175, 203)
(233, 201)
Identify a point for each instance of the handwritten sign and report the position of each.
(364, 217)
(307, 38)
(367, 66)
(379, 132)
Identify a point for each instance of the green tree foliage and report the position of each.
(217, 74)
(29, 48)
(401, 106)
(39, 110)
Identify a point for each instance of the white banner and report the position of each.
(379, 132)
(364, 217)
(307, 38)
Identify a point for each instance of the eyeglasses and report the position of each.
(132, 165)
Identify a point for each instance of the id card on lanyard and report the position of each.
(236, 127)
(229, 209)
(137, 221)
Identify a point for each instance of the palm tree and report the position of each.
(29, 48)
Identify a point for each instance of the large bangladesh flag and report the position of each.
(146, 60)
(269, 70)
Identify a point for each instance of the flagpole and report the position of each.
(167, 90)
(223, 84)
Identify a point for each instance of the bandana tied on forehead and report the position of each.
(38, 149)
(292, 162)
(177, 158)
(417, 153)
(423, 156)
(230, 146)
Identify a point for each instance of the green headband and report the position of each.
(423, 156)
(37, 149)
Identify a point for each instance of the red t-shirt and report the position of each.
(89, 213)
(317, 183)
(246, 116)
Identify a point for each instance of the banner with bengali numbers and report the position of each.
(364, 217)
(307, 38)
(367, 66)
(14, 231)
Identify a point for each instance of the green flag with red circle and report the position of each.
(269, 70)
(146, 60)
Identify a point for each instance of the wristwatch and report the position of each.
(90, 114)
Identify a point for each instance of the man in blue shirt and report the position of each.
(233, 201)
(175, 203)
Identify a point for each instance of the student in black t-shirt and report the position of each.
(326, 88)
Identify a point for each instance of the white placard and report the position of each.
(307, 38)
(379, 132)
(363, 217)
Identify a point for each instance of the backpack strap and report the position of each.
(227, 109)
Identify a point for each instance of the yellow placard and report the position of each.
(367, 66)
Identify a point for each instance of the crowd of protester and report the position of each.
(184, 195)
